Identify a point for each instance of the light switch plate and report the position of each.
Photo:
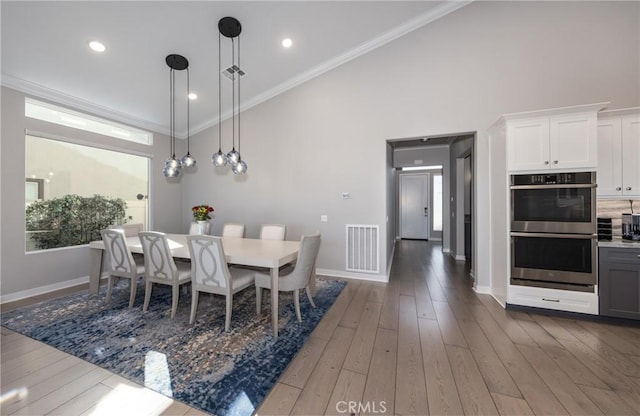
(324, 218)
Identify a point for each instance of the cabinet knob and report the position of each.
(555, 162)
(618, 188)
(628, 188)
(546, 162)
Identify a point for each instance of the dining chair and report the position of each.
(160, 267)
(297, 279)
(130, 230)
(272, 231)
(122, 264)
(231, 229)
(210, 273)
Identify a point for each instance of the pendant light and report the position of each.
(219, 159)
(230, 28)
(173, 165)
(187, 160)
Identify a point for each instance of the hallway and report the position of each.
(426, 343)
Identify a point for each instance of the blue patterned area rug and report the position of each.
(201, 365)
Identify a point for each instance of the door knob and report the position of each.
(618, 188)
(555, 162)
(546, 162)
(628, 188)
(425, 211)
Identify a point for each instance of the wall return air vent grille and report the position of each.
(362, 248)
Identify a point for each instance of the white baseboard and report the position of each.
(446, 250)
(502, 303)
(460, 258)
(390, 260)
(471, 273)
(351, 275)
(482, 289)
(23, 294)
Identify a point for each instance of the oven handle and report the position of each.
(554, 235)
(557, 186)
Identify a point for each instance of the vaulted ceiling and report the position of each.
(45, 50)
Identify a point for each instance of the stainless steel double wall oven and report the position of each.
(553, 230)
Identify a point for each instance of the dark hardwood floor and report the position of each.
(425, 343)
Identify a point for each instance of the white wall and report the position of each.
(329, 135)
(459, 73)
(27, 274)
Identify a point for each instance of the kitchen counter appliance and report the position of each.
(553, 230)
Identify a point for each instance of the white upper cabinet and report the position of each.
(619, 154)
(555, 139)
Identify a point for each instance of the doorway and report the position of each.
(415, 206)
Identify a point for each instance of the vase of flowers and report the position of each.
(202, 215)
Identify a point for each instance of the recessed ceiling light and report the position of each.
(286, 43)
(97, 46)
(192, 96)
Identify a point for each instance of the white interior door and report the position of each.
(414, 206)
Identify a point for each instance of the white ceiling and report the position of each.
(45, 50)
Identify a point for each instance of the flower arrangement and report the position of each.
(201, 212)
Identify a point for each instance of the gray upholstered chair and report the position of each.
(210, 273)
(159, 267)
(122, 264)
(231, 229)
(297, 279)
(273, 231)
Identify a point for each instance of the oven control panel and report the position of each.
(568, 178)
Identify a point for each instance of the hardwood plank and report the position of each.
(347, 394)
(175, 409)
(571, 397)
(626, 387)
(330, 320)
(424, 305)
(442, 393)
(315, 396)
(359, 354)
(513, 330)
(474, 395)
(381, 383)
(279, 401)
(617, 359)
(493, 371)
(40, 375)
(509, 406)
(451, 333)
(18, 349)
(352, 315)
(390, 307)
(377, 293)
(22, 366)
(411, 397)
(435, 290)
(539, 334)
(64, 393)
(608, 401)
(574, 368)
(300, 368)
(539, 397)
(553, 327)
(45, 387)
(613, 338)
(79, 404)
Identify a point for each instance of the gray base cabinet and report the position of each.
(619, 282)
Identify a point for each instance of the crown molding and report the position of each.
(58, 97)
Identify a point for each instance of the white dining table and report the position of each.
(271, 254)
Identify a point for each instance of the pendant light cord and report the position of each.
(188, 100)
(172, 111)
(219, 98)
(239, 76)
(233, 94)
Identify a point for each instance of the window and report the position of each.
(437, 202)
(73, 191)
(64, 117)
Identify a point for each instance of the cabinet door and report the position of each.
(631, 156)
(528, 144)
(609, 175)
(572, 141)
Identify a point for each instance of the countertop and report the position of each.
(619, 243)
